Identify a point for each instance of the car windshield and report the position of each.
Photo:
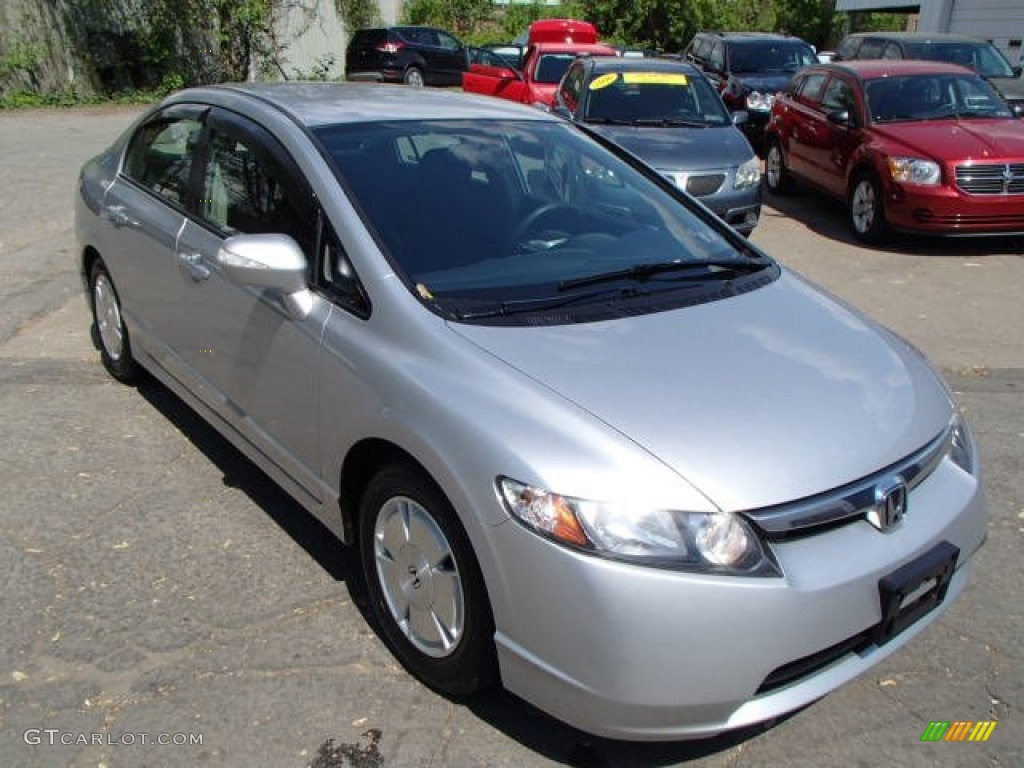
(551, 67)
(492, 215)
(666, 98)
(932, 97)
(786, 56)
(983, 58)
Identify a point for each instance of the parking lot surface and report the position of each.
(164, 604)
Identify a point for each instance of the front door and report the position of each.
(257, 366)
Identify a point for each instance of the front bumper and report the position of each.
(946, 211)
(640, 653)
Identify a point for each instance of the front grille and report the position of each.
(704, 185)
(991, 178)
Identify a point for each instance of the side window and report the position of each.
(839, 95)
(717, 57)
(160, 156)
(892, 51)
(810, 89)
(448, 42)
(571, 86)
(337, 274)
(246, 192)
(848, 48)
(871, 48)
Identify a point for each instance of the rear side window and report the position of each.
(160, 156)
(370, 38)
(871, 49)
(849, 47)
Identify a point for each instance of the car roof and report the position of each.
(743, 37)
(870, 69)
(324, 103)
(922, 37)
(646, 64)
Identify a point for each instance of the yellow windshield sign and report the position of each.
(603, 81)
(654, 78)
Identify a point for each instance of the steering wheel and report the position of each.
(537, 215)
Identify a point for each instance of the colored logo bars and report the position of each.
(959, 730)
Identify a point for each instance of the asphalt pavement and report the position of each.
(164, 604)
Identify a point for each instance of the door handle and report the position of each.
(192, 264)
(118, 216)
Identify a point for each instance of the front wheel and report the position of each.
(109, 332)
(776, 176)
(866, 209)
(424, 583)
(413, 76)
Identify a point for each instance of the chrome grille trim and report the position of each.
(991, 178)
(850, 501)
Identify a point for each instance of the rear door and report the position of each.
(451, 58)
(802, 130)
(147, 207)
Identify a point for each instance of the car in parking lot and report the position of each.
(980, 55)
(412, 55)
(916, 146)
(667, 114)
(588, 440)
(748, 69)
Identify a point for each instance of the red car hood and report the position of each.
(958, 140)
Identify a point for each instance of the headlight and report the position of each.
(760, 102)
(915, 170)
(961, 450)
(748, 174)
(707, 542)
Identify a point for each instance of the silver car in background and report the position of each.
(590, 442)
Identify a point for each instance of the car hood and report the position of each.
(679, 147)
(764, 82)
(952, 140)
(757, 400)
(1012, 88)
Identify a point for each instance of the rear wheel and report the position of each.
(424, 583)
(776, 176)
(109, 332)
(866, 209)
(413, 76)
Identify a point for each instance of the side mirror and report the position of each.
(839, 117)
(274, 262)
(740, 117)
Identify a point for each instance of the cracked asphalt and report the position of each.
(156, 584)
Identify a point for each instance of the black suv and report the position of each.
(412, 55)
(749, 68)
(979, 55)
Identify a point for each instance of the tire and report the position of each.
(108, 330)
(424, 583)
(866, 209)
(414, 76)
(776, 176)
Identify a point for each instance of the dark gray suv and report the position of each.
(670, 116)
(412, 55)
(980, 55)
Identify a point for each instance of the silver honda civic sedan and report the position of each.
(589, 442)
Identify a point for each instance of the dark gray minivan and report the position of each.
(980, 55)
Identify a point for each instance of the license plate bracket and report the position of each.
(936, 565)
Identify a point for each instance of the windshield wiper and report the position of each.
(607, 121)
(714, 269)
(523, 306)
(670, 122)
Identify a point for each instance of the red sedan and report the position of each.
(912, 146)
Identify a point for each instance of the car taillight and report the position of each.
(390, 47)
